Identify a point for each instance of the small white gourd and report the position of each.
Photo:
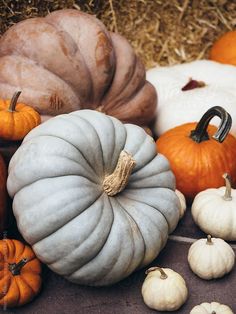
(164, 289)
(211, 308)
(214, 211)
(182, 208)
(211, 258)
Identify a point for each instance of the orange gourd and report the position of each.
(3, 193)
(224, 49)
(20, 273)
(199, 154)
(16, 119)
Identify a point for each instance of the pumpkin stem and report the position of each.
(209, 241)
(13, 102)
(117, 181)
(15, 268)
(213, 312)
(192, 84)
(227, 196)
(100, 109)
(163, 274)
(200, 133)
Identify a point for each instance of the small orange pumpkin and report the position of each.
(20, 273)
(200, 154)
(16, 119)
(224, 49)
(3, 193)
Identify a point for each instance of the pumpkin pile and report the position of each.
(93, 194)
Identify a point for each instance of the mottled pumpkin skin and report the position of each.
(69, 61)
(198, 166)
(62, 209)
(3, 193)
(16, 290)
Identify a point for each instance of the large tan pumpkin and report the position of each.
(69, 61)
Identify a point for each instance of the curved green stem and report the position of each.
(200, 133)
(15, 268)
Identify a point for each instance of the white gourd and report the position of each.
(211, 308)
(212, 84)
(211, 258)
(164, 289)
(183, 205)
(214, 211)
(67, 179)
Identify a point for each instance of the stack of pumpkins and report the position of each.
(95, 168)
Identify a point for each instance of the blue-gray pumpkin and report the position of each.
(92, 196)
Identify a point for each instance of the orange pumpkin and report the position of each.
(224, 49)
(3, 193)
(16, 119)
(20, 274)
(199, 154)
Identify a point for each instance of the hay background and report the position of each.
(161, 32)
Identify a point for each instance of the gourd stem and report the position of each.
(100, 109)
(227, 196)
(117, 181)
(200, 133)
(15, 268)
(213, 312)
(13, 102)
(163, 274)
(209, 241)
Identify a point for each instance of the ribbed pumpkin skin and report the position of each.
(3, 193)
(198, 166)
(56, 179)
(15, 125)
(22, 288)
(68, 61)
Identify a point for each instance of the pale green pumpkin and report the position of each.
(60, 181)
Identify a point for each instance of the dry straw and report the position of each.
(161, 32)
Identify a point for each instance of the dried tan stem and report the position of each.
(209, 240)
(117, 181)
(163, 274)
(227, 196)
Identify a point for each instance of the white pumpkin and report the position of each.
(67, 179)
(164, 289)
(183, 205)
(211, 258)
(212, 84)
(211, 308)
(214, 211)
